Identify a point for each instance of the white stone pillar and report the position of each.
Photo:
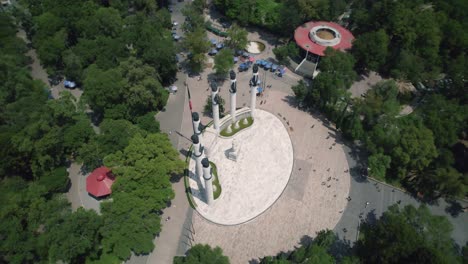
(198, 154)
(233, 91)
(197, 126)
(208, 181)
(215, 104)
(253, 90)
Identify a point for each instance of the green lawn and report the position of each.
(250, 121)
(217, 192)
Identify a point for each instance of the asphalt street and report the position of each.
(369, 199)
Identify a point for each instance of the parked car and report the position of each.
(69, 84)
(244, 66)
(54, 80)
(274, 67)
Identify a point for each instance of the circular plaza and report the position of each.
(255, 180)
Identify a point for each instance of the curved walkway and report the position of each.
(314, 198)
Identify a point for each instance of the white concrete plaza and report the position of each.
(256, 180)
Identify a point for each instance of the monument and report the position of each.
(233, 91)
(234, 151)
(215, 106)
(197, 125)
(253, 91)
(198, 153)
(208, 181)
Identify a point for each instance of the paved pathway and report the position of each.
(380, 197)
(314, 198)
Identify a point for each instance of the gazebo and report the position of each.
(99, 182)
(314, 37)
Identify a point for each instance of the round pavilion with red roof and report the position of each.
(315, 37)
(99, 182)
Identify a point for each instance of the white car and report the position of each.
(175, 23)
(173, 89)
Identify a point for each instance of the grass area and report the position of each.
(186, 179)
(217, 192)
(250, 121)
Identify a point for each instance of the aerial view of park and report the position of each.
(234, 131)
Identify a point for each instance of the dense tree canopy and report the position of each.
(203, 254)
(97, 45)
(407, 235)
(280, 16)
(143, 173)
(224, 62)
(125, 92)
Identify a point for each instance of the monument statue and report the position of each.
(233, 153)
(233, 88)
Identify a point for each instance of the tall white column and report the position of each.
(197, 126)
(208, 181)
(198, 154)
(253, 90)
(233, 91)
(215, 104)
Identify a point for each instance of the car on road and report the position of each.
(175, 23)
(69, 84)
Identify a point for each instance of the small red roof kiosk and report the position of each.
(99, 182)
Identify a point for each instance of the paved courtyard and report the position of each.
(252, 183)
(314, 198)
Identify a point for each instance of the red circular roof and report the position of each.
(301, 35)
(99, 182)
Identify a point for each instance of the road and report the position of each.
(174, 237)
(380, 196)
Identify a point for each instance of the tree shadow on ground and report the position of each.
(454, 208)
(175, 177)
(357, 174)
(371, 217)
(185, 152)
(218, 79)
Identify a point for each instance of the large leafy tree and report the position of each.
(142, 189)
(75, 236)
(223, 62)
(126, 92)
(371, 49)
(197, 44)
(203, 254)
(237, 37)
(408, 235)
(415, 149)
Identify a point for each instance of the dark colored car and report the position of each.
(244, 66)
(54, 80)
